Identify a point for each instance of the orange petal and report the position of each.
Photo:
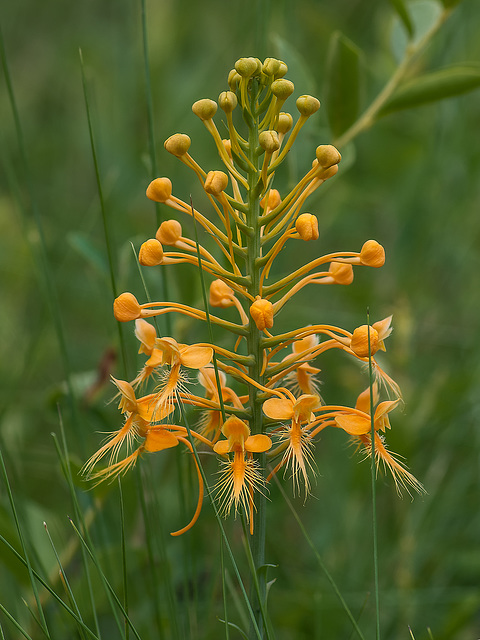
(304, 406)
(222, 447)
(363, 400)
(354, 425)
(278, 408)
(146, 334)
(160, 439)
(195, 357)
(258, 443)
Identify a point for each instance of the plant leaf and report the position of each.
(402, 12)
(445, 83)
(342, 83)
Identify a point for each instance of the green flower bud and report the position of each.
(282, 71)
(178, 144)
(205, 109)
(307, 105)
(327, 155)
(285, 122)
(246, 67)
(268, 140)
(271, 66)
(282, 88)
(233, 79)
(227, 101)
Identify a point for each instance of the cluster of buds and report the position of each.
(260, 402)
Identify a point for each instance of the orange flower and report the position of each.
(297, 439)
(240, 476)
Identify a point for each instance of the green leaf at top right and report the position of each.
(430, 87)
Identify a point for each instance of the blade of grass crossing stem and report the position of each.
(33, 583)
(45, 584)
(151, 147)
(109, 590)
(223, 532)
(108, 240)
(320, 560)
(43, 258)
(65, 581)
(207, 313)
(374, 484)
(124, 557)
(85, 521)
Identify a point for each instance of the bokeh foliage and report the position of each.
(411, 182)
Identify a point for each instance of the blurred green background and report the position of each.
(411, 182)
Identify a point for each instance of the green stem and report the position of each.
(258, 589)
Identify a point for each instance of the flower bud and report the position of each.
(282, 89)
(273, 199)
(330, 172)
(262, 313)
(342, 273)
(126, 307)
(307, 226)
(282, 70)
(227, 101)
(268, 140)
(246, 67)
(159, 190)
(284, 123)
(215, 182)
(372, 254)
(307, 105)
(220, 295)
(233, 79)
(327, 155)
(205, 109)
(271, 66)
(169, 232)
(178, 144)
(151, 253)
(359, 341)
(228, 147)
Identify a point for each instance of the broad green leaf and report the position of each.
(343, 83)
(402, 12)
(445, 83)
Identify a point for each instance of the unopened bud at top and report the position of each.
(227, 101)
(273, 201)
(246, 67)
(159, 190)
(126, 307)
(282, 88)
(269, 141)
(215, 182)
(221, 295)
(341, 272)
(307, 226)
(282, 70)
(205, 109)
(151, 253)
(327, 155)
(169, 232)
(233, 79)
(360, 341)
(178, 144)
(307, 105)
(271, 66)
(262, 313)
(372, 254)
(284, 122)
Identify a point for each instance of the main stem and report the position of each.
(255, 350)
